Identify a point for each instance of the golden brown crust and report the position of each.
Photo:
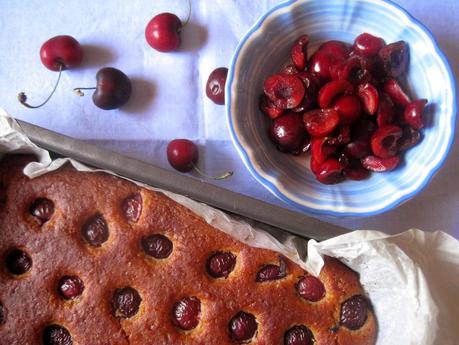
(58, 248)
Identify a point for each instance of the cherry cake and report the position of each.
(90, 258)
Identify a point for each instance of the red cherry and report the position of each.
(348, 108)
(368, 45)
(396, 93)
(351, 70)
(285, 91)
(321, 150)
(289, 69)
(378, 164)
(369, 96)
(215, 86)
(358, 149)
(413, 113)
(182, 154)
(363, 130)
(330, 172)
(61, 52)
(384, 141)
(269, 108)
(321, 122)
(299, 52)
(340, 136)
(409, 138)
(355, 171)
(395, 57)
(57, 54)
(329, 91)
(386, 110)
(328, 54)
(163, 32)
(287, 132)
(315, 166)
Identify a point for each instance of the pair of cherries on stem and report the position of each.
(64, 52)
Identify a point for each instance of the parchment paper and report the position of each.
(411, 278)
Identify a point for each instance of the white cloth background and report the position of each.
(168, 99)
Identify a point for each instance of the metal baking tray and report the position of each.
(270, 217)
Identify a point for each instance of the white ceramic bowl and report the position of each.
(266, 47)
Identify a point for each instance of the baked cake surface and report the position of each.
(89, 259)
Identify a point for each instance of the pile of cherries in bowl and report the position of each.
(346, 105)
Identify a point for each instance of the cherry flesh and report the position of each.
(395, 57)
(396, 93)
(329, 91)
(378, 164)
(299, 52)
(321, 122)
(328, 54)
(368, 45)
(269, 108)
(369, 97)
(163, 32)
(409, 138)
(321, 150)
(330, 172)
(384, 141)
(413, 113)
(351, 70)
(285, 91)
(386, 110)
(348, 108)
(215, 86)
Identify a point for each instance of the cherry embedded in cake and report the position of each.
(70, 287)
(18, 262)
(348, 91)
(157, 246)
(132, 207)
(299, 335)
(125, 302)
(95, 231)
(354, 312)
(56, 335)
(221, 264)
(186, 313)
(272, 272)
(311, 288)
(42, 209)
(243, 327)
(2, 314)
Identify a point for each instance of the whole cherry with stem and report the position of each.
(113, 89)
(182, 155)
(57, 54)
(163, 31)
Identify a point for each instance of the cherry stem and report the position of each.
(188, 15)
(222, 177)
(22, 98)
(80, 93)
